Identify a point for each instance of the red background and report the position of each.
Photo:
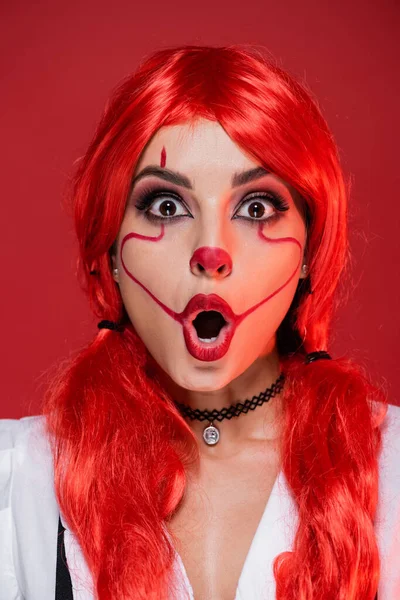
(60, 61)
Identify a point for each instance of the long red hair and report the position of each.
(121, 448)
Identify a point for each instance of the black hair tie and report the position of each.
(110, 325)
(321, 354)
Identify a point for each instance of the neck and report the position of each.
(260, 424)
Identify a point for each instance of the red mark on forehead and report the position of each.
(163, 158)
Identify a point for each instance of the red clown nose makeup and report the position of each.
(214, 261)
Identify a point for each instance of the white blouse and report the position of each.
(29, 517)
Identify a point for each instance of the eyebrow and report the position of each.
(180, 179)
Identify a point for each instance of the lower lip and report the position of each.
(208, 351)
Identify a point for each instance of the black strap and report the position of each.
(63, 578)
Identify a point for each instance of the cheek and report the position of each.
(270, 266)
(268, 263)
(153, 261)
(256, 335)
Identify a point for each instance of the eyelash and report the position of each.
(148, 197)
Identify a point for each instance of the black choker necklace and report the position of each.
(211, 433)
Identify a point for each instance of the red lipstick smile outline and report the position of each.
(207, 302)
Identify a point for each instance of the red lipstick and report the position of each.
(207, 351)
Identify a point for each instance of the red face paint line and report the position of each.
(163, 159)
(212, 259)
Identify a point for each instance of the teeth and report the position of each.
(207, 340)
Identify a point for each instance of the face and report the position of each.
(209, 255)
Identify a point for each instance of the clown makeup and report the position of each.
(209, 255)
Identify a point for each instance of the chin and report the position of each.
(202, 377)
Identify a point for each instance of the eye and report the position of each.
(256, 209)
(262, 206)
(166, 207)
(161, 205)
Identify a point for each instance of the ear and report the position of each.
(304, 260)
(114, 266)
(302, 274)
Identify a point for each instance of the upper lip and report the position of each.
(201, 302)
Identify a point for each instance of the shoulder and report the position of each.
(390, 429)
(16, 431)
(18, 437)
(28, 509)
(24, 449)
(389, 463)
(387, 520)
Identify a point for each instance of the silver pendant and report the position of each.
(211, 434)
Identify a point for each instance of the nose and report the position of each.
(211, 261)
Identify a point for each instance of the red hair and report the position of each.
(121, 448)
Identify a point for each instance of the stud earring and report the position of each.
(115, 272)
(304, 268)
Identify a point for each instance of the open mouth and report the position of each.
(208, 325)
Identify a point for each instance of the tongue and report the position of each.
(208, 324)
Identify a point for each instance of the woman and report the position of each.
(210, 210)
